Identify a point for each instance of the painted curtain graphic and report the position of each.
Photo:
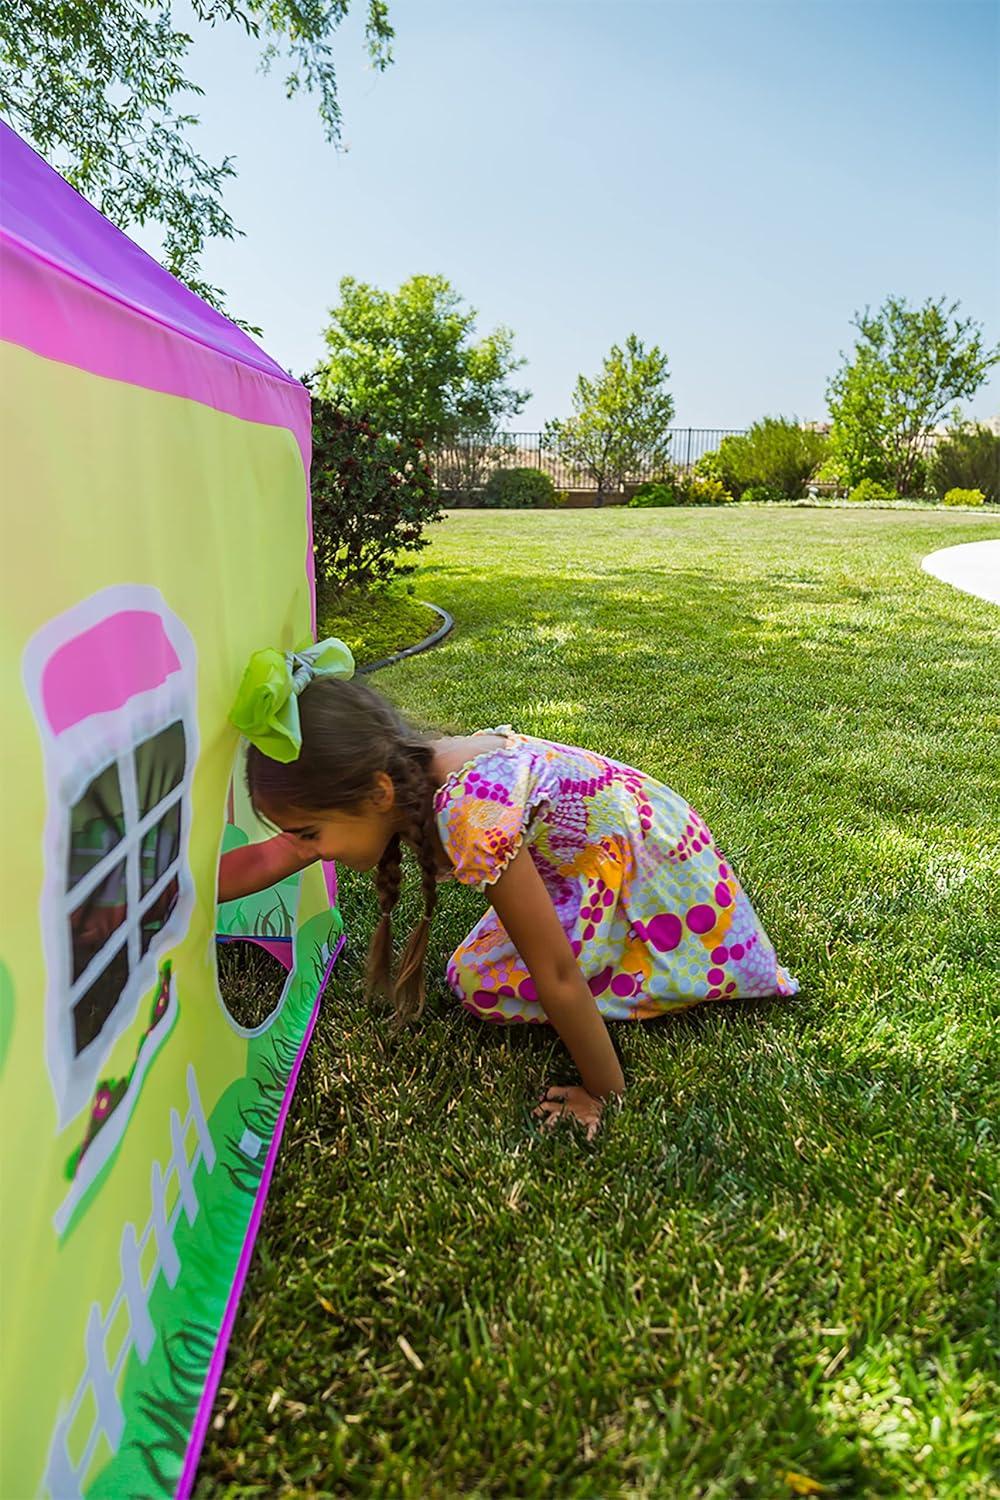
(156, 532)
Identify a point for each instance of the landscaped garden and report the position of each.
(774, 1271)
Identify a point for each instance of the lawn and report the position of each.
(776, 1268)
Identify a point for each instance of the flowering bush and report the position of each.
(870, 491)
(964, 497)
(372, 496)
(681, 489)
(701, 491)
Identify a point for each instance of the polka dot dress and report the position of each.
(651, 906)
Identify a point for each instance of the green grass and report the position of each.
(377, 623)
(780, 1257)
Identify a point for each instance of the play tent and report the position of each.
(156, 532)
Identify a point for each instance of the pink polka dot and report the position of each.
(730, 986)
(714, 976)
(719, 955)
(526, 990)
(506, 989)
(701, 918)
(665, 931)
(723, 895)
(723, 871)
(483, 999)
(608, 897)
(588, 932)
(482, 791)
(600, 982)
(737, 950)
(622, 985)
(714, 994)
(696, 846)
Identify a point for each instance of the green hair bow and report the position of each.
(267, 705)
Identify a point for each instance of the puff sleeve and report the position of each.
(483, 812)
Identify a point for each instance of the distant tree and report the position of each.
(906, 368)
(619, 424)
(407, 358)
(969, 458)
(93, 85)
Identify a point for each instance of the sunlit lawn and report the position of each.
(780, 1258)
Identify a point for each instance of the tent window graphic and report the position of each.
(125, 840)
(112, 681)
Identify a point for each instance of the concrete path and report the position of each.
(973, 567)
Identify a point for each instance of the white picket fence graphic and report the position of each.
(64, 1478)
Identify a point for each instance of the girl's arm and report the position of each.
(253, 867)
(525, 908)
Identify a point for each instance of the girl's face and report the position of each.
(355, 838)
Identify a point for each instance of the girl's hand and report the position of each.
(569, 1100)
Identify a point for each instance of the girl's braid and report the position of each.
(410, 772)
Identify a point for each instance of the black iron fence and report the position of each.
(468, 464)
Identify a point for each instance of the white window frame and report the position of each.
(74, 758)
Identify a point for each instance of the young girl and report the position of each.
(609, 898)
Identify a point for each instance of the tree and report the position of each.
(94, 85)
(907, 366)
(406, 357)
(372, 496)
(620, 421)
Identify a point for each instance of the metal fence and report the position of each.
(467, 464)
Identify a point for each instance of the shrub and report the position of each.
(682, 489)
(870, 491)
(371, 497)
(701, 491)
(775, 452)
(762, 494)
(964, 497)
(917, 488)
(657, 492)
(515, 489)
(968, 459)
(710, 465)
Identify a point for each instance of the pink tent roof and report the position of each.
(77, 290)
(40, 211)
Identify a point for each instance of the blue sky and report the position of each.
(731, 181)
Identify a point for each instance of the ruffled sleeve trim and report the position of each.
(481, 838)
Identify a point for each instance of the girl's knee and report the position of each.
(503, 1006)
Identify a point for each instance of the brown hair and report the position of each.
(349, 733)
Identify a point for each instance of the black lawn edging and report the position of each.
(432, 640)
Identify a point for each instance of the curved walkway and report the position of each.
(973, 567)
